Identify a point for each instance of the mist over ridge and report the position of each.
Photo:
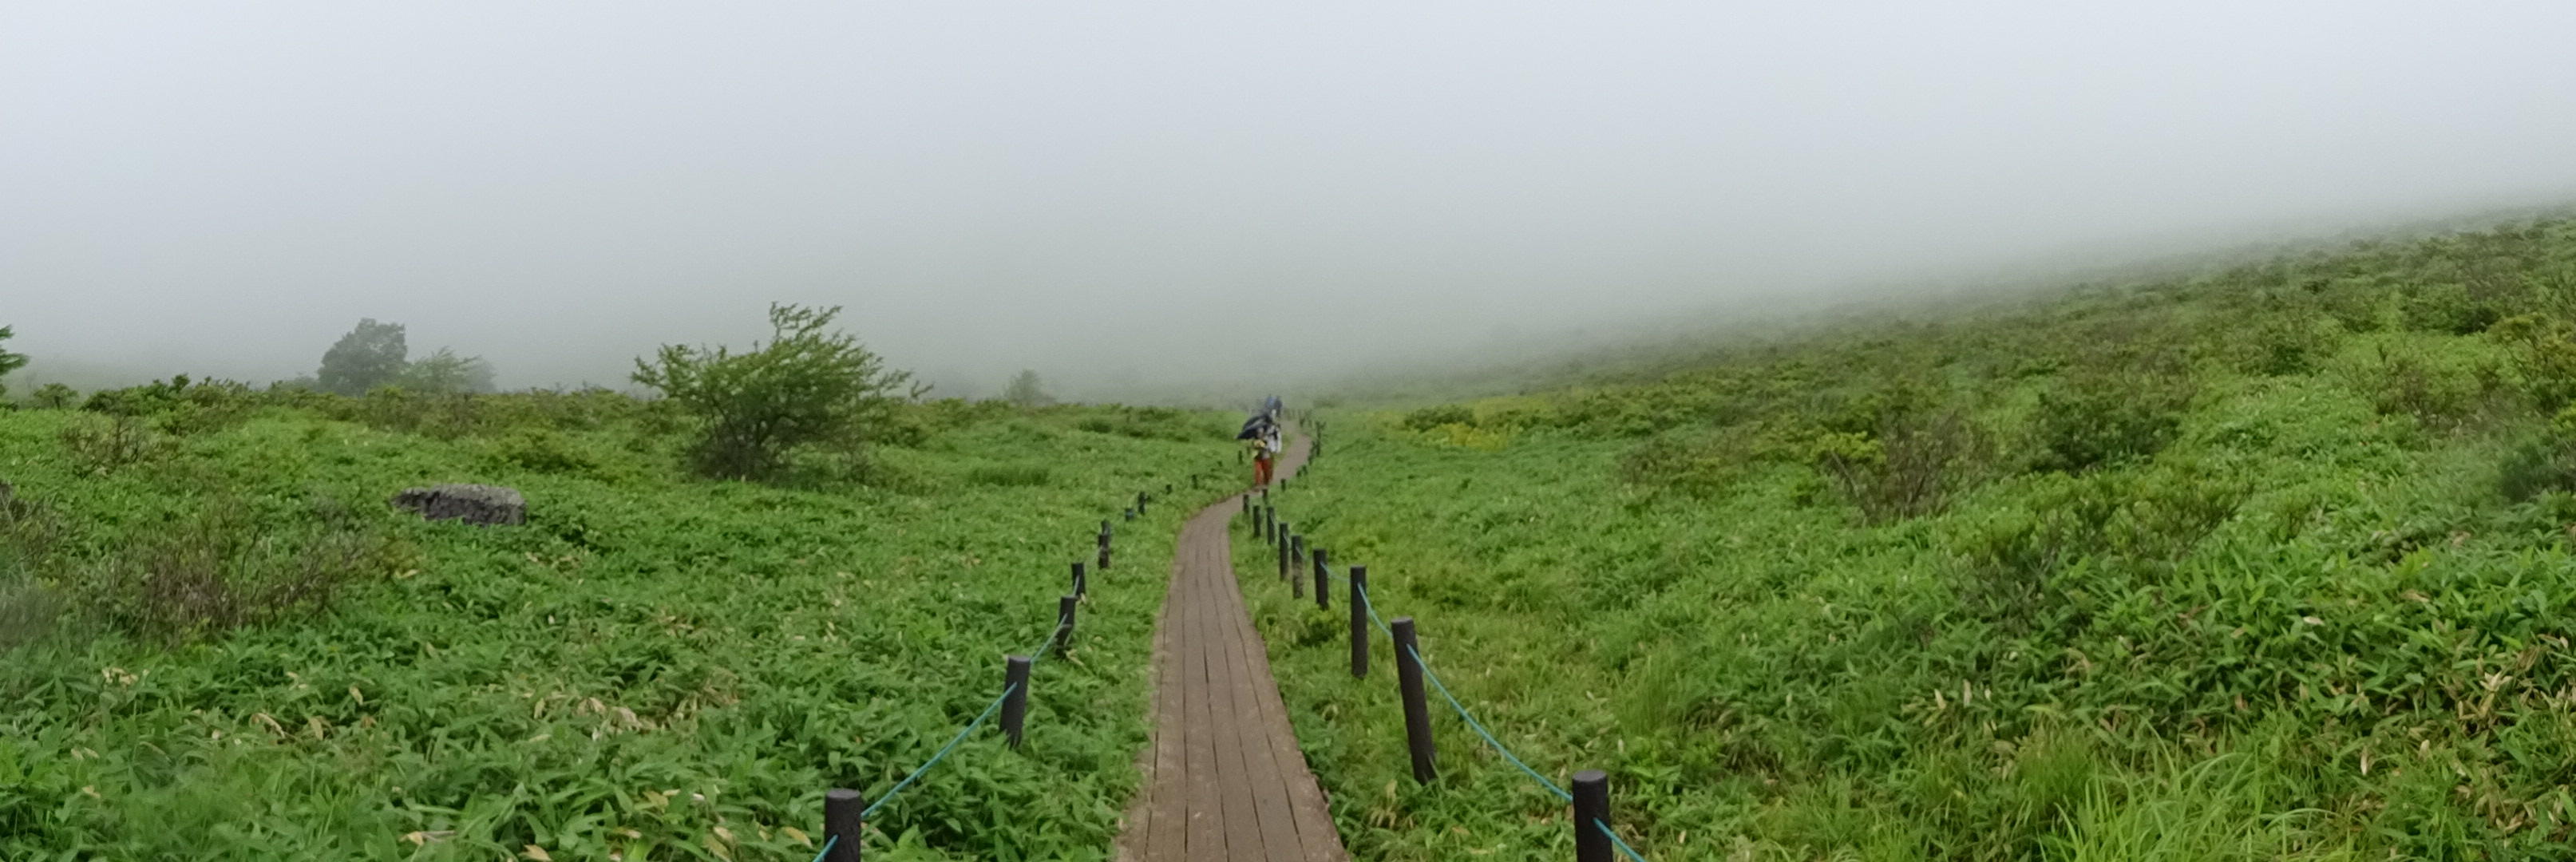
(1136, 199)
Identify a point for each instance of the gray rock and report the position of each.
(473, 504)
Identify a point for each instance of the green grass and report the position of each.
(653, 667)
(2249, 565)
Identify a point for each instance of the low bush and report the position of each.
(2093, 419)
(104, 444)
(1909, 466)
(543, 451)
(219, 571)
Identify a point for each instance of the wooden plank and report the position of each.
(1223, 778)
(1279, 828)
(1206, 806)
(1164, 826)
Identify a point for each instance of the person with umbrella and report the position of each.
(1262, 430)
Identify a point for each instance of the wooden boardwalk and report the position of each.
(1224, 779)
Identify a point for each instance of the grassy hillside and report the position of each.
(2273, 562)
(221, 644)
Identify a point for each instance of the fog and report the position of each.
(1126, 196)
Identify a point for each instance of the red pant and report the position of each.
(1260, 471)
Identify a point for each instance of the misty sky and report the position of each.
(1121, 191)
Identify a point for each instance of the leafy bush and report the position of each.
(179, 405)
(2438, 395)
(1909, 466)
(27, 538)
(544, 451)
(219, 571)
(2089, 420)
(2545, 353)
(53, 396)
(809, 387)
(109, 443)
(2450, 308)
(2545, 462)
(1435, 416)
(2286, 344)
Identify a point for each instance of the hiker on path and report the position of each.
(1262, 430)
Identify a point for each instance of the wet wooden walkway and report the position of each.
(1224, 779)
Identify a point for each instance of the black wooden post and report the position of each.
(1297, 548)
(1064, 624)
(1131, 514)
(1591, 816)
(1417, 711)
(842, 824)
(1081, 585)
(1102, 564)
(1140, 502)
(1323, 585)
(1359, 622)
(1015, 703)
(1296, 585)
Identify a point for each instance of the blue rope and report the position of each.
(1480, 729)
(1615, 842)
(828, 841)
(1371, 607)
(943, 753)
(1040, 654)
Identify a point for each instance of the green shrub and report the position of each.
(2545, 358)
(220, 570)
(544, 451)
(2438, 395)
(2285, 344)
(104, 444)
(2450, 308)
(1428, 418)
(27, 539)
(2545, 462)
(53, 396)
(1909, 466)
(2095, 419)
(810, 387)
(179, 405)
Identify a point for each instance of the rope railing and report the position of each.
(845, 817)
(1590, 798)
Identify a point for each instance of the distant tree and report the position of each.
(809, 386)
(1026, 391)
(54, 396)
(444, 372)
(369, 356)
(9, 361)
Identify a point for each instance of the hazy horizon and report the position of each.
(1132, 195)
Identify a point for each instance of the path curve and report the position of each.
(1224, 779)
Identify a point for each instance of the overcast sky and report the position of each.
(1111, 191)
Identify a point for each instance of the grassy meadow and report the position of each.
(2274, 562)
(217, 642)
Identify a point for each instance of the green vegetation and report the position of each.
(1027, 390)
(9, 361)
(2270, 562)
(220, 643)
(376, 355)
(809, 388)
